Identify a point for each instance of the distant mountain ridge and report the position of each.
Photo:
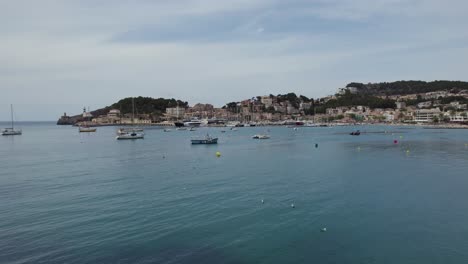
(407, 87)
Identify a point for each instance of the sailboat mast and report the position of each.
(133, 110)
(11, 112)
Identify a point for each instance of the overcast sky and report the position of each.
(61, 55)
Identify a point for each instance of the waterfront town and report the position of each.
(439, 107)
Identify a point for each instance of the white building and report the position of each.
(400, 105)
(426, 115)
(86, 114)
(305, 106)
(267, 101)
(113, 113)
(458, 106)
(292, 110)
(458, 117)
(389, 116)
(175, 112)
(425, 104)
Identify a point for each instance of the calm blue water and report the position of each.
(87, 198)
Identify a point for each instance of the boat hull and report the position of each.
(12, 133)
(204, 141)
(261, 137)
(130, 136)
(87, 130)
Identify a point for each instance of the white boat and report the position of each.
(125, 130)
(261, 136)
(86, 129)
(131, 133)
(11, 131)
(193, 123)
(232, 124)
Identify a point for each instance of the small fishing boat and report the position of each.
(261, 136)
(167, 130)
(355, 133)
(206, 140)
(85, 129)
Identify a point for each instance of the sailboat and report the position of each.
(11, 131)
(133, 133)
(85, 127)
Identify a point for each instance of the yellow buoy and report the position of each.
(218, 154)
(407, 151)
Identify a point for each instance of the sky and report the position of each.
(60, 55)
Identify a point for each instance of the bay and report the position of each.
(68, 197)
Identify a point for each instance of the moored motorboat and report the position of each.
(206, 140)
(193, 123)
(355, 133)
(261, 136)
(84, 129)
(131, 135)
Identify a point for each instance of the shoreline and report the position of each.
(424, 126)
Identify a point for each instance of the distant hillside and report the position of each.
(147, 105)
(408, 87)
(143, 105)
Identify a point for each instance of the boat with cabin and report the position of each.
(261, 136)
(193, 123)
(206, 140)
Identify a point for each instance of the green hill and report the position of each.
(408, 87)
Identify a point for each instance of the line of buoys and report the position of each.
(316, 145)
(263, 201)
(293, 206)
(218, 154)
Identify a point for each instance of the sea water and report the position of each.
(67, 197)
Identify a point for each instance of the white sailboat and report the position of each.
(132, 133)
(11, 131)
